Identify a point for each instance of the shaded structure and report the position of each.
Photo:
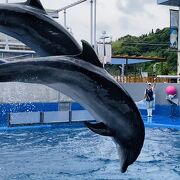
(125, 61)
(177, 4)
(134, 59)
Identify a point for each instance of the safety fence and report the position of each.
(65, 113)
(139, 79)
(30, 118)
(34, 114)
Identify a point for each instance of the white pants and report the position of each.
(149, 106)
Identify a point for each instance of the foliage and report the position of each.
(148, 45)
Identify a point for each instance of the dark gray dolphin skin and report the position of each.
(29, 23)
(79, 76)
(83, 79)
(3, 61)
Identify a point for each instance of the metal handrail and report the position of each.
(70, 5)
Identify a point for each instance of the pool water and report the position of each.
(77, 153)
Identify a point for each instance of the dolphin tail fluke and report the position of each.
(128, 153)
(127, 159)
(99, 128)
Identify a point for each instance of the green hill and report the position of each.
(154, 44)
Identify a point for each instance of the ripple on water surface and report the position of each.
(80, 154)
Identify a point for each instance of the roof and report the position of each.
(169, 2)
(134, 59)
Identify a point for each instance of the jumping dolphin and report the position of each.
(88, 83)
(81, 77)
(29, 23)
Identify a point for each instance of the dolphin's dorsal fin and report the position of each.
(99, 128)
(35, 3)
(89, 55)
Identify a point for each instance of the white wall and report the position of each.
(21, 92)
(137, 91)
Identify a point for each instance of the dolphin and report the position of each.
(84, 80)
(29, 23)
(78, 74)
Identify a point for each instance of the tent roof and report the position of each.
(134, 59)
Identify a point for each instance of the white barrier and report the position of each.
(81, 115)
(24, 118)
(56, 117)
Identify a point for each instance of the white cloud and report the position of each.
(132, 7)
(117, 17)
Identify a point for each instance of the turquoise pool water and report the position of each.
(77, 153)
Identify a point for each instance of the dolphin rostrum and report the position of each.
(88, 83)
(29, 23)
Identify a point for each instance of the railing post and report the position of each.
(70, 112)
(41, 117)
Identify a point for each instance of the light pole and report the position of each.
(95, 18)
(91, 21)
(104, 37)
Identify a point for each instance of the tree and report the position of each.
(145, 45)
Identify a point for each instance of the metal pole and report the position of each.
(65, 18)
(91, 21)
(122, 72)
(104, 51)
(6, 37)
(126, 67)
(95, 42)
(71, 5)
(178, 62)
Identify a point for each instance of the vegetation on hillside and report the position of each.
(154, 44)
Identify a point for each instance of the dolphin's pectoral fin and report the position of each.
(2, 61)
(35, 3)
(89, 55)
(99, 128)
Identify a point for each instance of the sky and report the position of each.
(117, 17)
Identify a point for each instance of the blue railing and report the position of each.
(50, 113)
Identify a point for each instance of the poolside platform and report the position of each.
(157, 121)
